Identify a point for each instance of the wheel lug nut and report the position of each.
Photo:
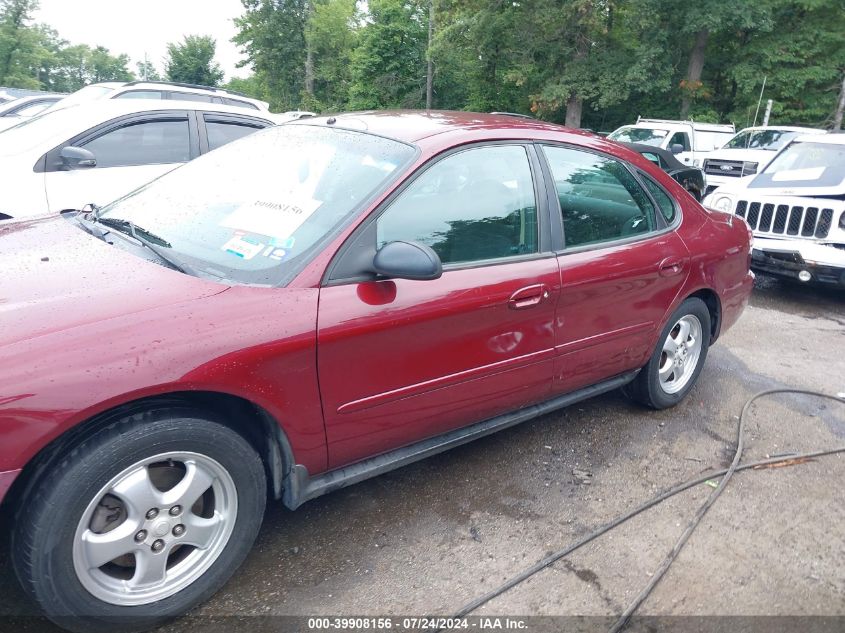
(178, 530)
(175, 510)
(157, 545)
(152, 513)
(140, 536)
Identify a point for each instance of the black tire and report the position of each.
(646, 387)
(47, 519)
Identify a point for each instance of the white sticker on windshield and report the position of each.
(278, 220)
(243, 247)
(811, 173)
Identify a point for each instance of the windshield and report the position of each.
(805, 165)
(83, 95)
(771, 140)
(252, 211)
(644, 135)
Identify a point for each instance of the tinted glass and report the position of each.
(189, 96)
(664, 202)
(475, 205)
(32, 109)
(220, 133)
(254, 210)
(599, 198)
(770, 139)
(147, 143)
(141, 94)
(239, 104)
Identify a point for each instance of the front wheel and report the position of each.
(677, 360)
(139, 523)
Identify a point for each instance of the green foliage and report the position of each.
(388, 65)
(272, 36)
(147, 71)
(192, 61)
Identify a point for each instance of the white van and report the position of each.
(748, 153)
(688, 140)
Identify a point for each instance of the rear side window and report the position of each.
(239, 104)
(191, 96)
(475, 205)
(664, 202)
(141, 94)
(222, 132)
(600, 200)
(143, 143)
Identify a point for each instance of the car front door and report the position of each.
(128, 152)
(622, 265)
(402, 360)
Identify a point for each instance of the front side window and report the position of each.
(680, 138)
(255, 210)
(145, 143)
(600, 200)
(475, 205)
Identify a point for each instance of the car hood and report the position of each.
(57, 277)
(760, 156)
(742, 187)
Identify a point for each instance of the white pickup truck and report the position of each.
(691, 142)
(748, 153)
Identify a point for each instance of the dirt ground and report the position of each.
(428, 538)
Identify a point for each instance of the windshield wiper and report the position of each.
(148, 239)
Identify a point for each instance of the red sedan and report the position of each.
(316, 304)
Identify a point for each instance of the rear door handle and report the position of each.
(529, 297)
(671, 266)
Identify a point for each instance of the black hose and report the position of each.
(727, 473)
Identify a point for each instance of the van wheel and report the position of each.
(677, 360)
(140, 522)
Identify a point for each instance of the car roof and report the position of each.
(116, 107)
(411, 126)
(836, 139)
(666, 155)
(784, 128)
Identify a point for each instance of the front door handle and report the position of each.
(529, 297)
(671, 266)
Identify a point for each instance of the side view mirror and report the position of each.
(77, 157)
(676, 148)
(407, 260)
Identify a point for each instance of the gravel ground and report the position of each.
(428, 538)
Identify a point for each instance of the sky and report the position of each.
(136, 27)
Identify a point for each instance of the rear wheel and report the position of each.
(139, 523)
(677, 361)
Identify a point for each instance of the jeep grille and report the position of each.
(783, 219)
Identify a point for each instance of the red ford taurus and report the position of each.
(314, 305)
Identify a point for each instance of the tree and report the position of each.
(192, 61)
(147, 71)
(389, 63)
(272, 36)
(331, 33)
(17, 42)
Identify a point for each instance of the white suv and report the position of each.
(97, 152)
(161, 90)
(691, 142)
(748, 153)
(796, 208)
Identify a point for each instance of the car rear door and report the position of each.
(621, 263)
(129, 151)
(218, 128)
(402, 360)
